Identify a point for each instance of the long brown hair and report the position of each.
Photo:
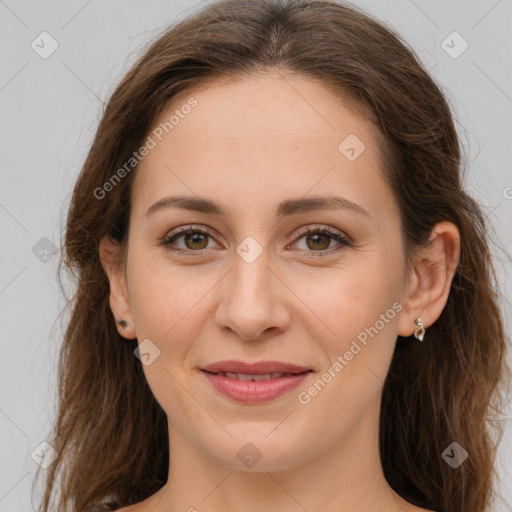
(111, 434)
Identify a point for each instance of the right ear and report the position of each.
(112, 261)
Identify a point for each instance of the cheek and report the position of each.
(167, 302)
(347, 300)
(359, 310)
(166, 305)
(155, 301)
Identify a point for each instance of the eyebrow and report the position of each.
(286, 208)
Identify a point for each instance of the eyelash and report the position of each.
(184, 230)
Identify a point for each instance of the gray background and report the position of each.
(50, 109)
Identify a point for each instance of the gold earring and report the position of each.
(419, 333)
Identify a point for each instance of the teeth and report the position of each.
(244, 376)
(247, 377)
(267, 376)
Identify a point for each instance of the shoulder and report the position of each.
(105, 507)
(409, 507)
(142, 506)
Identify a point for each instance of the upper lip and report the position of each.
(259, 368)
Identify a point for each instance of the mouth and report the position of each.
(258, 368)
(253, 383)
(255, 377)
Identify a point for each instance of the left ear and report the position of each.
(431, 278)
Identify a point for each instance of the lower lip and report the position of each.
(254, 391)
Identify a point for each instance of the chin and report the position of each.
(258, 453)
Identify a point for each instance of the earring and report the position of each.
(123, 323)
(419, 333)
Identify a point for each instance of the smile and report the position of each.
(255, 388)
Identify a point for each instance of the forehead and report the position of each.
(261, 138)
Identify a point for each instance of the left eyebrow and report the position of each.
(286, 208)
(309, 204)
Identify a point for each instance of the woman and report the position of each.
(285, 298)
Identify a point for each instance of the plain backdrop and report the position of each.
(50, 106)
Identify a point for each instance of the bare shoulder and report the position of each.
(409, 507)
(113, 507)
(413, 508)
(138, 507)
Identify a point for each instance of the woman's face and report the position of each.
(277, 156)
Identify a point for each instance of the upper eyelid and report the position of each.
(319, 227)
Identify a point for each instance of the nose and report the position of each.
(253, 303)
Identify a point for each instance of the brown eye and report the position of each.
(318, 241)
(193, 240)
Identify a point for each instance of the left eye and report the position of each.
(196, 240)
(319, 239)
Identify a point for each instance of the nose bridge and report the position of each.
(249, 304)
(250, 285)
(249, 281)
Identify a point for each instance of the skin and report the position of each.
(286, 305)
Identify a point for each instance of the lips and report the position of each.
(253, 383)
